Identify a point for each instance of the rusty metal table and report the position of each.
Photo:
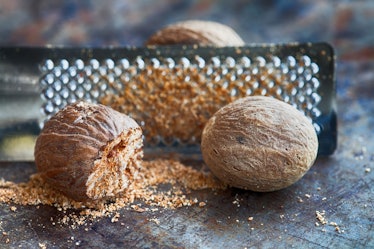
(341, 185)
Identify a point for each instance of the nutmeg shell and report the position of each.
(199, 32)
(89, 151)
(259, 143)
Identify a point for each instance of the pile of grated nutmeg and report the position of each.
(145, 189)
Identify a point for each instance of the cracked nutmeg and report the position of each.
(259, 143)
(89, 151)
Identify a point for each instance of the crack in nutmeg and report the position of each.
(118, 164)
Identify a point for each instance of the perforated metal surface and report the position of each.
(291, 79)
(172, 91)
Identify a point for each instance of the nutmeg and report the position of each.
(196, 32)
(259, 143)
(89, 151)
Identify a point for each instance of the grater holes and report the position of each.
(95, 92)
(276, 61)
(184, 62)
(94, 64)
(79, 92)
(47, 80)
(230, 62)
(314, 67)
(305, 61)
(315, 113)
(71, 98)
(200, 62)
(317, 128)
(57, 101)
(64, 93)
(78, 64)
(169, 62)
(72, 71)
(125, 78)
(108, 64)
(292, 80)
(244, 62)
(308, 74)
(124, 64)
(260, 61)
(154, 63)
(63, 64)
(56, 71)
(88, 84)
(315, 83)
(48, 109)
(72, 85)
(290, 62)
(46, 66)
(292, 75)
(139, 63)
(65, 78)
(48, 93)
(102, 70)
(117, 71)
(57, 85)
(315, 99)
(300, 69)
(215, 62)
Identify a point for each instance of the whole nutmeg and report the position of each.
(89, 151)
(196, 32)
(259, 143)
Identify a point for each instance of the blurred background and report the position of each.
(347, 25)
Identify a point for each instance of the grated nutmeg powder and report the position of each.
(145, 188)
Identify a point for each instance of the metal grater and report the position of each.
(172, 91)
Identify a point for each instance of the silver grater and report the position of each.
(171, 91)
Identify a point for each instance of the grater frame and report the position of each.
(24, 70)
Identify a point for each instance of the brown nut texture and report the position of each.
(259, 143)
(89, 151)
(196, 32)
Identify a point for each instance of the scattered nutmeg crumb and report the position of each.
(321, 217)
(321, 220)
(202, 204)
(115, 217)
(337, 228)
(42, 246)
(143, 195)
(155, 220)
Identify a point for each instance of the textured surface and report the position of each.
(259, 143)
(76, 148)
(196, 32)
(280, 219)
